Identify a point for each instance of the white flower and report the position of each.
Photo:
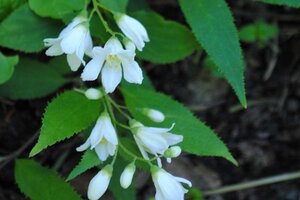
(168, 187)
(133, 29)
(172, 152)
(110, 59)
(127, 175)
(99, 184)
(153, 140)
(103, 138)
(93, 94)
(74, 40)
(154, 115)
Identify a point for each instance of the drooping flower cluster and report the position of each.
(112, 62)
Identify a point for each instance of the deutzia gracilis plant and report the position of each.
(91, 57)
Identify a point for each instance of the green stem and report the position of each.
(117, 106)
(256, 183)
(106, 26)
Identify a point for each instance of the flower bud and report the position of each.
(99, 184)
(127, 175)
(154, 115)
(93, 94)
(172, 152)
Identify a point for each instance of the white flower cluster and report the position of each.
(114, 61)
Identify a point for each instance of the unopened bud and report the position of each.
(127, 175)
(154, 115)
(93, 94)
(172, 152)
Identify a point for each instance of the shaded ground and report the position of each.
(265, 138)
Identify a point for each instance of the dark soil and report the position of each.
(265, 138)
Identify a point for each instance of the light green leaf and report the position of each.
(213, 26)
(199, 139)
(24, 31)
(32, 79)
(115, 5)
(67, 114)
(291, 3)
(88, 161)
(7, 66)
(57, 9)
(118, 192)
(169, 40)
(40, 183)
(7, 6)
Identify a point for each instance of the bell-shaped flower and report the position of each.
(111, 59)
(99, 184)
(74, 40)
(133, 29)
(127, 175)
(152, 139)
(154, 115)
(103, 138)
(168, 187)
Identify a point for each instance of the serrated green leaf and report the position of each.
(291, 3)
(7, 66)
(88, 161)
(67, 114)
(40, 183)
(118, 192)
(7, 6)
(169, 40)
(199, 139)
(24, 31)
(115, 6)
(32, 79)
(56, 9)
(213, 26)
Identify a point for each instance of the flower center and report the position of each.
(113, 60)
(103, 141)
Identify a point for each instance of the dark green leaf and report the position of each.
(291, 3)
(88, 161)
(7, 6)
(67, 114)
(115, 5)
(57, 9)
(24, 31)
(199, 139)
(213, 26)
(169, 40)
(7, 66)
(40, 183)
(32, 79)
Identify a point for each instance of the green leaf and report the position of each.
(258, 31)
(118, 192)
(213, 26)
(88, 161)
(7, 6)
(291, 3)
(136, 5)
(198, 139)
(115, 5)
(24, 31)
(169, 40)
(56, 9)
(32, 79)
(7, 66)
(38, 182)
(67, 114)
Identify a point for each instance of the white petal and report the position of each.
(97, 133)
(73, 61)
(141, 148)
(157, 130)
(67, 30)
(92, 69)
(110, 132)
(111, 148)
(183, 180)
(88, 44)
(153, 142)
(113, 45)
(132, 71)
(50, 41)
(54, 50)
(84, 146)
(101, 151)
(71, 41)
(99, 184)
(172, 138)
(111, 77)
